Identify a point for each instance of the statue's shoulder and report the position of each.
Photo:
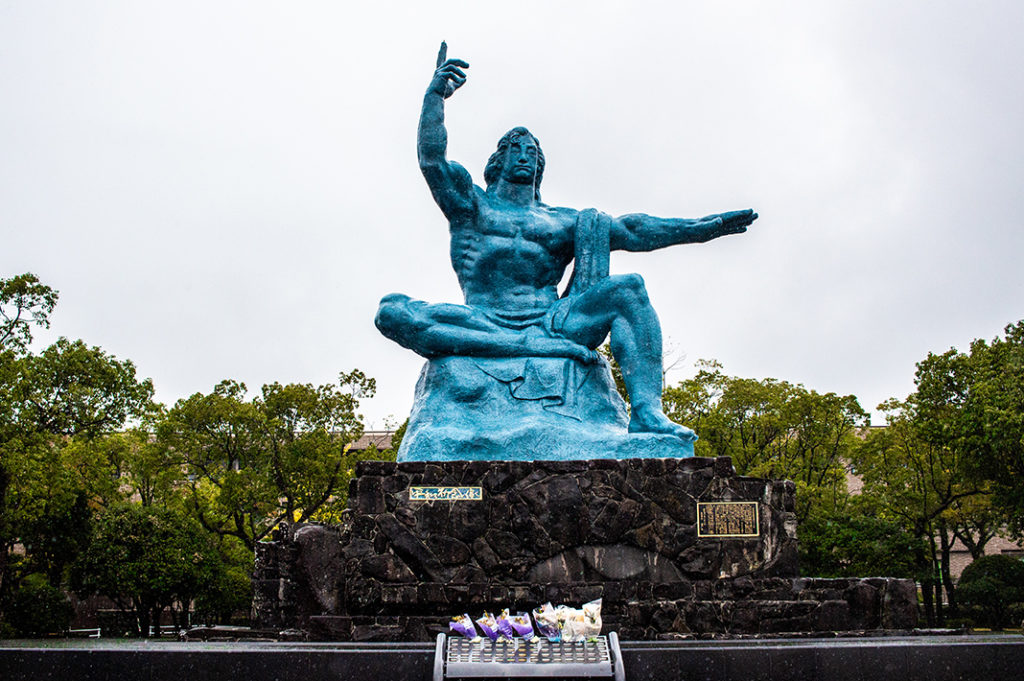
(460, 175)
(561, 213)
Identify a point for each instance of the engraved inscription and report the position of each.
(728, 519)
(446, 493)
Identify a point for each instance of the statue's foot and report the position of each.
(652, 420)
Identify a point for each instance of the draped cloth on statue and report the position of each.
(593, 251)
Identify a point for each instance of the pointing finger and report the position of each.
(442, 54)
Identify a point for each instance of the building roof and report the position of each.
(381, 439)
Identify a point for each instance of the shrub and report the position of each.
(993, 584)
(855, 545)
(36, 609)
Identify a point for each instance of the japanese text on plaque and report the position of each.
(445, 494)
(727, 519)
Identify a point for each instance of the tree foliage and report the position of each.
(24, 303)
(144, 558)
(991, 423)
(772, 428)
(38, 608)
(60, 405)
(152, 506)
(976, 520)
(857, 543)
(993, 584)
(947, 447)
(282, 455)
(56, 407)
(73, 389)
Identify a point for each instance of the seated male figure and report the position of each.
(510, 251)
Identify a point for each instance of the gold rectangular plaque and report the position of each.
(446, 493)
(728, 519)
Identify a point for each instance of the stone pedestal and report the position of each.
(660, 540)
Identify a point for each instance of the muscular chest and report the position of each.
(533, 227)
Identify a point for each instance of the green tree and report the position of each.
(55, 406)
(772, 428)
(857, 543)
(954, 441)
(280, 456)
(146, 468)
(916, 479)
(37, 608)
(73, 389)
(991, 424)
(398, 436)
(61, 404)
(975, 521)
(230, 590)
(144, 558)
(24, 302)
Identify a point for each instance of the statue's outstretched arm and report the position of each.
(449, 182)
(639, 232)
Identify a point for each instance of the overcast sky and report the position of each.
(226, 189)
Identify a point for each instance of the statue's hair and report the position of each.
(492, 171)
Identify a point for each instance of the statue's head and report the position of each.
(518, 159)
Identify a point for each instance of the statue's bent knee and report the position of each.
(629, 288)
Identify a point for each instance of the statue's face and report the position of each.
(520, 161)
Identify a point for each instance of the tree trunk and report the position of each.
(4, 556)
(936, 580)
(4, 544)
(55, 574)
(924, 572)
(180, 614)
(143, 612)
(157, 611)
(927, 592)
(947, 577)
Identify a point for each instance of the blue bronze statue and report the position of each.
(513, 373)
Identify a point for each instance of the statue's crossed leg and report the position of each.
(572, 327)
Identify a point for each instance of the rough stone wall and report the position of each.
(563, 522)
(566, 532)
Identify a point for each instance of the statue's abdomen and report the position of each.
(505, 272)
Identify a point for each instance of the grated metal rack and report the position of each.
(457, 657)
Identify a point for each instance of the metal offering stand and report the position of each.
(458, 657)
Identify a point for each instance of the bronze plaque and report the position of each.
(724, 519)
(445, 494)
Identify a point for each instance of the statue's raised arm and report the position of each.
(449, 182)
